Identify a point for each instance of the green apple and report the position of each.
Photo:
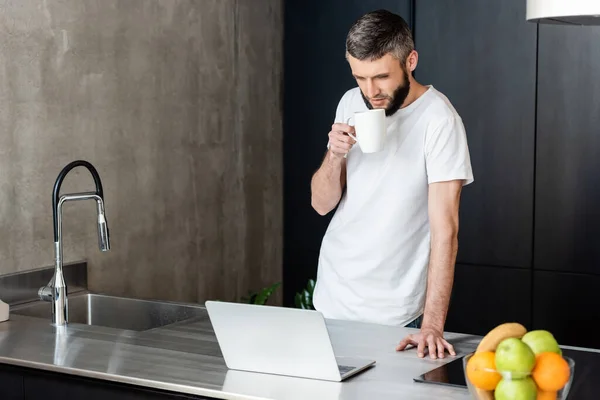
(514, 357)
(520, 389)
(541, 341)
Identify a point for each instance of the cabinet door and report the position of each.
(484, 297)
(567, 305)
(11, 383)
(567, 215)
(482, 56)
(51, 386)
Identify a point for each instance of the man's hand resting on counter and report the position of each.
(443, 216)
(429, 338)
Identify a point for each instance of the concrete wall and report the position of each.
(177, 103)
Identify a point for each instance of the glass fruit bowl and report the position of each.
(553, 372)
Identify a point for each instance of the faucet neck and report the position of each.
(59, 180)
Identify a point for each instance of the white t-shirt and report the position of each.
(374, 256)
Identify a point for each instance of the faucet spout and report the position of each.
(58, 183)
(103, 235)
(56, 290)
(103, 238)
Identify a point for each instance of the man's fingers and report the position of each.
(339, 127)
(441, 348)
(340, 147)
(432, 347)
(449, 347)
(349, 139)
(405, 342)
(341, 137)
(346, 140)
(436, 346)
(340, 144)
(421, 346)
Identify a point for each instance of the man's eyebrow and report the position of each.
(382, 75)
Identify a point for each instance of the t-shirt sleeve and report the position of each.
(447, 152)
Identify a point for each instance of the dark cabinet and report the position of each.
(484, 297)
(31, 384)
(482, 55)
(54, 387)
(567, 305)
(11, 384)
(567, 212)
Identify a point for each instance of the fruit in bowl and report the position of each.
(541, 341)
(512, 363)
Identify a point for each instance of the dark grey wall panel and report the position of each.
(482, 55)
(316, 76)
(484, 297)
(567, 229)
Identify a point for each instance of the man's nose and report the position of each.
(371, 90)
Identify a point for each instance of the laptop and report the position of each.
(280, 341)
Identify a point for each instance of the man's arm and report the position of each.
(444, 200)
(328, 182)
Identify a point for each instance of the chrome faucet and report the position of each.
(56, 290)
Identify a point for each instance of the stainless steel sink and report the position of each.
(116, 312)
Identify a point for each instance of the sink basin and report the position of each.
(116, 312)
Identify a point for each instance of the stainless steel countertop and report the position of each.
(185, 357)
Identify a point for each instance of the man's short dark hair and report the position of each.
(378, 33)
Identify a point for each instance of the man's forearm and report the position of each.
(327, 184)
(440, 280)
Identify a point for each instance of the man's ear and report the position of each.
(412, 61)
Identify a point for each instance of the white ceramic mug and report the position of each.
(370, 130)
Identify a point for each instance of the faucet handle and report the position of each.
(45, 293)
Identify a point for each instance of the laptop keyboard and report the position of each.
(344, 368)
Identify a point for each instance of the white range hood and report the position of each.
(567, 12)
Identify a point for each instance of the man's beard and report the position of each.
(397, 99)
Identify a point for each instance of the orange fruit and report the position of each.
(551, 372)
(543, 395)
(480, 370)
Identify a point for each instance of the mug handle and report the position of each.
(349, 134)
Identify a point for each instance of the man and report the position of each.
(388, 254)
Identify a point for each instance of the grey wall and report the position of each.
(177, 104)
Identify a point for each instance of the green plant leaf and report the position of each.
(249, 298)
(263, 295)
(307, 298)
(311, 286)
(303, 299)
(298, 300)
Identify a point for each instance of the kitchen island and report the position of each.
(184, 359)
